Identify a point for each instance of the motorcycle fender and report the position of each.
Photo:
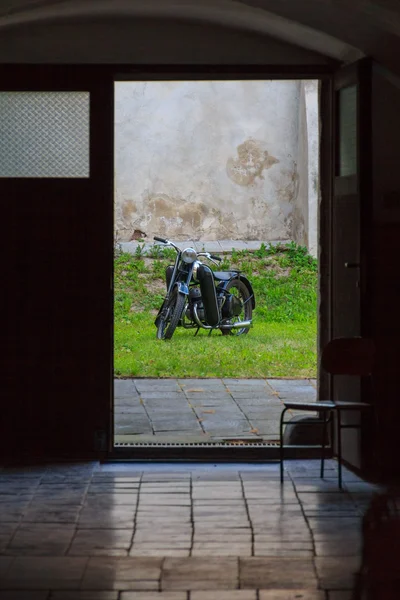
(183, 288)
(249, 287)
(168, 275)
(157, 319)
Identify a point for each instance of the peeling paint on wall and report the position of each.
(168, 214)
(287, 187)
(250, 162)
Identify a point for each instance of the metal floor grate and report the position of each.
(232, 444)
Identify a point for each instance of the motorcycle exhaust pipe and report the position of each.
(237, 325)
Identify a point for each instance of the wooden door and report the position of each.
(350, 218)
(56, 202)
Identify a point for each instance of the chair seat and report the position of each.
(325, 405)
(299, 405)
(343, 405)
(224, 275)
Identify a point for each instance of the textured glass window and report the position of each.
(44, 134)
(347, 131)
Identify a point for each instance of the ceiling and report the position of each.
(341, 29)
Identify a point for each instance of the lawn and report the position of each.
(281, 343)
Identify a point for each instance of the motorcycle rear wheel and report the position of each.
(239, 289)
(171, 315)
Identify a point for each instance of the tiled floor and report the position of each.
(135, 531)
(203, 410)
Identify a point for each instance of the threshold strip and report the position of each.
(232, 444)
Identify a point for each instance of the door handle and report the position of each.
(350, 265)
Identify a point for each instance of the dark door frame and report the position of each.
(160, 451)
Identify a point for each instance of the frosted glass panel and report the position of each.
(44, 134)
(348, 131)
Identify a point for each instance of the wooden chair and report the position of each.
(342, 356)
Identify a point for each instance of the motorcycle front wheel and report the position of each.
(171, 315)
(240, 291)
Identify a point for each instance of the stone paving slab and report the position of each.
(120, 573)
(337, 573)
(33, 595)
(220, 595)
(277, 573)
(200, 573)
(299, 594)
(200, 410)
(44, 573)
(153, 596)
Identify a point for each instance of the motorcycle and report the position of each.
(199, 298)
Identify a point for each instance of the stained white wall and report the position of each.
(305, 210)
(210, 160)
(311, 92)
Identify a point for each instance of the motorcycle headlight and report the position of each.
(189, 255)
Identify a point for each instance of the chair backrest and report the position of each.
(349, 356)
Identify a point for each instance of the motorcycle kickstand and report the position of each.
(210, 332)
(197, 331)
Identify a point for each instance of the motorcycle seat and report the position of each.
(224, 275)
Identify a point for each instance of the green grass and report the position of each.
(281, 343)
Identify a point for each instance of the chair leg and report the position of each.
(281, 443)
(324, 424)
(339, 447)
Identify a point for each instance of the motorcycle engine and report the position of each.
(195, 299)
(232, 307)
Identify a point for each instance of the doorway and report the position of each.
(231, 167)
(77, 363)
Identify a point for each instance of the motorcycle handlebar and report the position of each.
(164, 241)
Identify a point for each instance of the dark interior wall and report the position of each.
(385, 264)
(146, 41)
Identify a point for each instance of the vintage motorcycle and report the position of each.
(200, 298)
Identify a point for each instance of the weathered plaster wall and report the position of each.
(311, 92)
(300, 204)
(208, 160)
(305, 209)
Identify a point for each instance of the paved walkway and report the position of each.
(144, 531)
(200, 410)
(218, 246)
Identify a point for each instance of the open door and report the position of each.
(350, 224)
